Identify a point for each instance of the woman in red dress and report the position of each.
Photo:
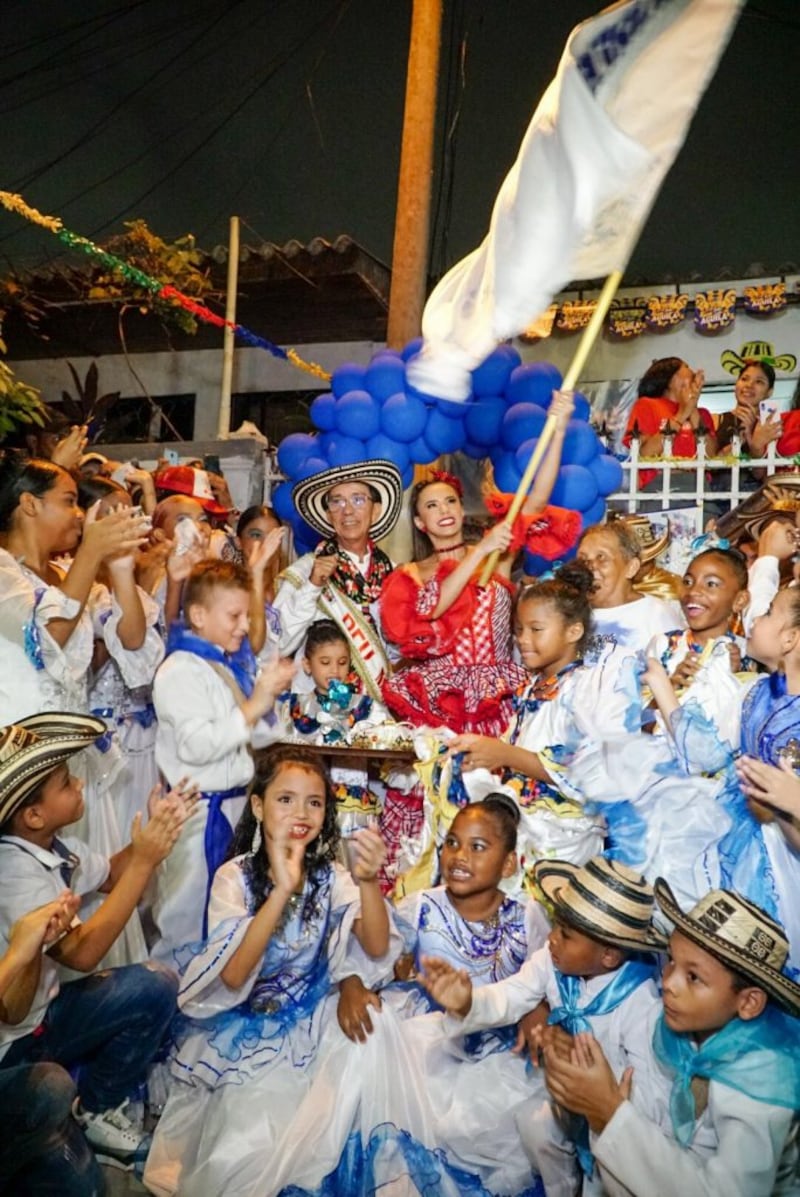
(455, 635)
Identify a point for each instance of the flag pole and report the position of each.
(590, 334)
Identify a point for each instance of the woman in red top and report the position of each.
(667, 406)
(455, 635)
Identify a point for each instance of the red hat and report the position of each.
(186, 480)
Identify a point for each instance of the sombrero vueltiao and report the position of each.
(749, 517)
(32, 748)
(383, 476)
(604, 899)
(739, 934)
(651, 544)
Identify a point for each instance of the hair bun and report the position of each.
(503, 802)
(577, 575)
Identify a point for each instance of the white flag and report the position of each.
(593, 158)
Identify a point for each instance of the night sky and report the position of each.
(289, 113)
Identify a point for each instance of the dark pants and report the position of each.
(110, 1025)
(43, 1152)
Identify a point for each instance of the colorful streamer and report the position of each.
(16, 204)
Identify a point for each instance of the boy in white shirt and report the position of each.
(728, 1046)
(110, 1022)
(209, 699)
(596, 972)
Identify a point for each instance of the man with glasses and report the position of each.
(352, 507)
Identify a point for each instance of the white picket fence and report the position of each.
(630, 498)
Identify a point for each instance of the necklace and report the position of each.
(452, 548)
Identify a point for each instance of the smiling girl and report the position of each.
(285, 923)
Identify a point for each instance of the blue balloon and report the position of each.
(580, 444)
(451, 409)
(411, 349)
(323, 412)
(443, 434)
(408, 476)
(344, 450)
(294, 450)
(607, 472)
(507, 474)
(484, 418)
(533, 382)
(358, 414)
(348, 377)
(403, 417)
(520, 423)
(312, 465)
(383, 447)
(493, 373)
(496, 453)
(576, 488)
(534, 565)
(524, 453)
(594, 515)
(470, 449)
(385, 376)
(421, 453)
(583, 408)
(281, 502)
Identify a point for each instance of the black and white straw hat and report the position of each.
(309, 496)
(739, 934)
(604, 899)
(32, 748)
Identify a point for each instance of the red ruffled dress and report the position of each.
(465, 678)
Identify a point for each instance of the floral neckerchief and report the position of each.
(693, 645)
(527, 701)
(332, 714)
(350, 581)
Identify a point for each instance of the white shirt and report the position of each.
(631, 625)
(32, 876)
(202, 733)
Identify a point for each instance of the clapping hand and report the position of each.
(369, 853)
(450, 987)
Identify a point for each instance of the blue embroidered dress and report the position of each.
(417, 1108)
(245, 1057)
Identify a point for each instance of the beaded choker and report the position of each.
(452, 548)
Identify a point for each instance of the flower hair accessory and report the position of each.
(449, 480)
(708, 541)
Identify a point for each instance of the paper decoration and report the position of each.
(714, 310)
(627, 317)
(575, 314)
(665, 311)
(764, 299)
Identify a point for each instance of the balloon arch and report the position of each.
(371, 411)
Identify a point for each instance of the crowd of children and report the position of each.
(564, 957)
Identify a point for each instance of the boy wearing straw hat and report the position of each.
(110, 1023)
(728, 1048)
(597, 973)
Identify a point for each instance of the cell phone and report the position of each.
(172, 457)
(768, 410)
(211, 463)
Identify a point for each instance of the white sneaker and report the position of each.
(110, 1131)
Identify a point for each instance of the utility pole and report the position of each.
(412, 220)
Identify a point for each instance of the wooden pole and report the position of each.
(590, 335)
(412, 220)
(224, 421)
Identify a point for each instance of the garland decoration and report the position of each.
(15, 203)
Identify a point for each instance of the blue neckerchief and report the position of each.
(575, 1018)
(760, 1058)
(217, 838)
(242, 663)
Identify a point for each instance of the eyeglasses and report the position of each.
(339, 502)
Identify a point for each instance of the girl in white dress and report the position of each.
(285, 923)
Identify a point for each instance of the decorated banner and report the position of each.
(160, 290)
(627, 317)
(665, 311)
(765, 298)
(714, 310)
(575, 314)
